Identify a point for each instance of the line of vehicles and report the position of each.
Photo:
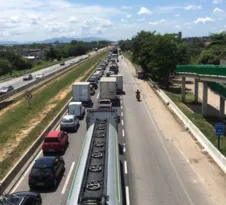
(48, 170)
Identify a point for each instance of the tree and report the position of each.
(5, 66)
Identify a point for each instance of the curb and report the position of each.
(200, 137)
(6, 183)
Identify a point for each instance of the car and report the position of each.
(94, 84)
(40, 75)
(109, 73)
(105, 104)
(27, 77)
(92, 89)
(93, 78)
(100, 70)
(72, 62)
(46, 172)
(21, 198)
(6, 89)
(102, 66)
(62, 63)
(55, 141)
(69, 122)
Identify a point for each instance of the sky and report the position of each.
(32, 20)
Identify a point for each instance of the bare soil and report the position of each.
(212, 177)
(11, 144)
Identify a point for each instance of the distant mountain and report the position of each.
(8, 42)
(68, 40)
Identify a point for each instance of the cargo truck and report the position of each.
(108, 88)
(81, 92)
(119, 82)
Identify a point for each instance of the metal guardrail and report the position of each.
(28, 155)
(202, 139)
(44, 79)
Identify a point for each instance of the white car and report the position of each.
(40, 75)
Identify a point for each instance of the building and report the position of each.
(180, 35)
(37, 53)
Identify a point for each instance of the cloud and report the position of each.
(123, 20)
(34, 19)
(14, 19)
(128, 16)
(217, 1)
(177, 15)
(203, 20)
(157, 22)
(73, 19)
(217, 10)
(177, 26)
(193, 7)
(144, 10)
(141, 19)
(127, 7)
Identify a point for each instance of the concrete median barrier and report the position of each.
(206, 144)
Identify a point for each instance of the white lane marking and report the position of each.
(98, 95)
(122, 122)
(26, 173)
(121, 101)
(121, 113)
(121, 107)
(123, 133)
(68, 177)
(120, 97)
(124, 147)
(127, 196)
(125, 167)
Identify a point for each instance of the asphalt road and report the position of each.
(18, 82)
(71, 157)
(157, 172)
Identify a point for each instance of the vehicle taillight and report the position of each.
(51, 176)
(30, 177)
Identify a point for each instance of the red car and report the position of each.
(55, 141)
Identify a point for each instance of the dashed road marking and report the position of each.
(68, 177)
(122, 122)
(127, 196)
(124, 147)
(121, 107)
(121, 113)
(123, 133)
(98, 95)
(125, 167)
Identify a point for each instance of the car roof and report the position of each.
(105, 100)
(68, 117)
(54, 134)
(44, 162)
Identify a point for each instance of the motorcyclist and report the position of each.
(138, 92)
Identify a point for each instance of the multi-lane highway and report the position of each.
(18, 82)
(154, 171)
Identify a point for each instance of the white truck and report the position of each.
(108, 88)
(119, 82)
(81, 92)
(76, 109)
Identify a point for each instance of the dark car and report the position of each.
(94, 84)
(21, 198)
(27, 77)
(46, 172)
(92, 89)
(6, 89)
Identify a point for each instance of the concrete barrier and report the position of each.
(202, 139)
(28, 155)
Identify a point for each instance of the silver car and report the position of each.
(69, 122)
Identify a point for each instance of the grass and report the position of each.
(128, 55)
(15, 119)
(206, 125)
(36, 67)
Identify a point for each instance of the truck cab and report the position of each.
(77, 109)
(62, 63)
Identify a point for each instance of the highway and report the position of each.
(155, 172)
(18, 82)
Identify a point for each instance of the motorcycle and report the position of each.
(138, 96)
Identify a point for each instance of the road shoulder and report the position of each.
(208, 173)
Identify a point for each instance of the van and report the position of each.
(76, 108)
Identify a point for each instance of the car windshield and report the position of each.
(4, 88)
(65, 120)
(11, 199)
(41, 171)
(51, 139)
(105, 102)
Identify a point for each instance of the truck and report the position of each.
(81, 92)
(119, 82)
(108, 88)
(76, 109)
(62, 63)
(114, 68)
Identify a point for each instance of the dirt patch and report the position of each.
(206, 170)
(11, 144)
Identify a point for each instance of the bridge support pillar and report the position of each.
(183, 91)
(222, 105)
(204, 98)
(196, 90)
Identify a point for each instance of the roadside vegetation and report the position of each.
(21, 126)
(158, 56)
(13, 64)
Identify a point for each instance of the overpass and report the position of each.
(212, 76)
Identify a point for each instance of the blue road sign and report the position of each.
(219, 129)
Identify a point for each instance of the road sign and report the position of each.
(219, 129)
(28, 95)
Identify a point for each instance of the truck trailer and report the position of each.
(81, 92)
(108, 88)
(119, 82)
